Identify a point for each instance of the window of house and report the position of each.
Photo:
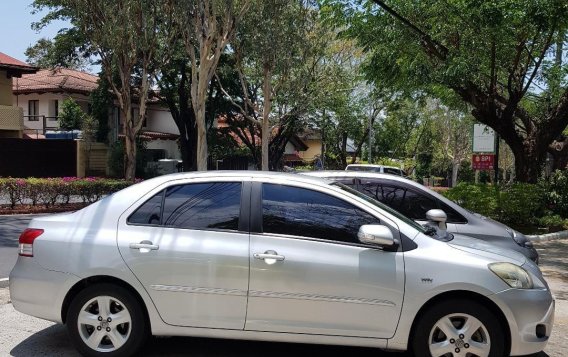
(33, 110)
(54, 112)
(203, 206)
(307, 213)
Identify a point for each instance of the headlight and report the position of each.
(513, 275)
(520, 239)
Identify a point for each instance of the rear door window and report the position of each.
(203, 206)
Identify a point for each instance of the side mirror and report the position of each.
(439, 217)
(376, 234)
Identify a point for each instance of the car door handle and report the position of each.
(144, 246)
(269, 255)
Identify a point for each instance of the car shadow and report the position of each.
(53, 341)
(208, 347)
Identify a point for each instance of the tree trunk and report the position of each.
(343, 154)
(129, 141)
(455, 170)
(130, 155)
(528, 163)
(267, 94)
(201, 138)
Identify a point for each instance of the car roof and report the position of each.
(244, 174)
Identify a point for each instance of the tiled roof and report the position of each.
(56, 80)
(15, 66)
(154, 135)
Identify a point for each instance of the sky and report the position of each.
(16, 31)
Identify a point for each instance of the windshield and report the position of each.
(382, 206)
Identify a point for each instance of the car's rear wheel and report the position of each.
(106, 320)
(458, 328)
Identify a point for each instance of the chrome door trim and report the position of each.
(198, 290)
(328, 298)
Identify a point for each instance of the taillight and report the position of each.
(26, 246)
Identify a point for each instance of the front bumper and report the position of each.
(39, 292)
(530, 314)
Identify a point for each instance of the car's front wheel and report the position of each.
(105, 319)
(458, 328)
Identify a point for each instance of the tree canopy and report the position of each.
(503, 58)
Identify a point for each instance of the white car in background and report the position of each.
(376, 168)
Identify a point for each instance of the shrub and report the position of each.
(13, 189)
(50, 191)
(521, 203)
(517, 204)
(483, 199)
(557, 193)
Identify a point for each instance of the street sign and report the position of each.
(483, 162)
(483, 139)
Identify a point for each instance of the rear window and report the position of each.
(193, 206)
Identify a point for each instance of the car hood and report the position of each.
(480, 247)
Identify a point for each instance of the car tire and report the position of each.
(106, 320)
(458, 328)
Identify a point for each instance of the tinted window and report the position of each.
(347, 181)
(389, 170)
(203, 206)
(453, 216)
(149, 212)
(364, 168)
(302, 212)
(410, 203)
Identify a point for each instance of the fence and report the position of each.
(38, 158)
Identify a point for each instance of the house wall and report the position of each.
(160, 119)
(314, 148)
(5, 89)
(11, 119)
(46, 107)
(170, 146)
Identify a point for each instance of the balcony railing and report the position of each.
(44, 119)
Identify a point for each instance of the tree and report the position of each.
(174, 82)
(124, 35)
(500, 57)
(67, 50)
(269, 45)
(454, 133)
(206, 27)
(71, 116)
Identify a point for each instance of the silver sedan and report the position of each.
(273, 257)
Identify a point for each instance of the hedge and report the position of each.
(520, 204)
(50, 191)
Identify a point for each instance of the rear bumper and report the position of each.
(39, 292)
(530, 314)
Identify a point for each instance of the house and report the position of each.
(292, 152)
(40, 96)
(11, 117)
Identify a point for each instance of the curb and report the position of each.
(548, 237)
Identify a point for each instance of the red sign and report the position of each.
(483, 162)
